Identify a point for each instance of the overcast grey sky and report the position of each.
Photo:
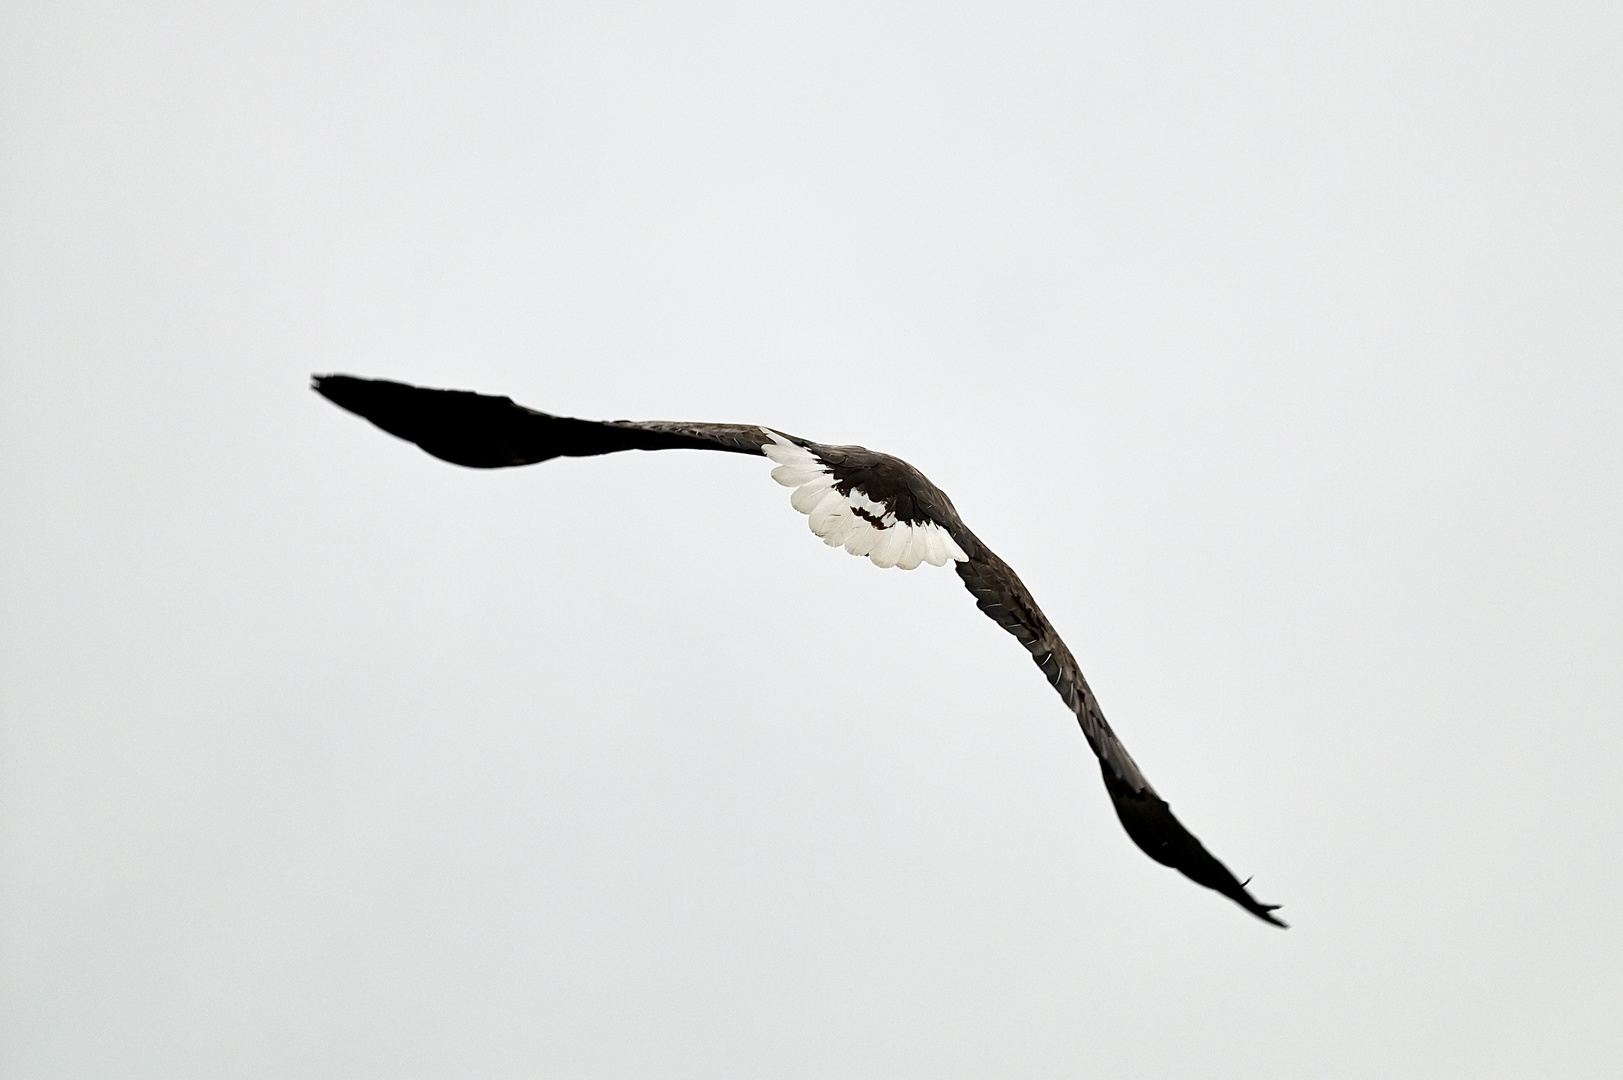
(1279, 348)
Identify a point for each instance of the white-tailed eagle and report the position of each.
(871, 504)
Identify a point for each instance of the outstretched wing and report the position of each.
(482, 431)
(869, 503)
(1148, 819)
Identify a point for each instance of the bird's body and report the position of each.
(872, 504)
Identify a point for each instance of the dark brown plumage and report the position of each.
(880, 497)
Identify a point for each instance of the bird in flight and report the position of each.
(871, 504)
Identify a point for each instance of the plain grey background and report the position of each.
(1276, 346)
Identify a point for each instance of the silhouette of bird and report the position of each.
(871, 504)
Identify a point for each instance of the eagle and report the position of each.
(871, 504)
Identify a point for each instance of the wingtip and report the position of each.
(1151, 825)
(326, 384)
(351, 392)
(1232, 888)
(1265, 912)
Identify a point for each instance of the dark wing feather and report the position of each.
(483, 431)
(1000, 593)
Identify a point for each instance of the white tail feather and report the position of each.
(833, 514)
(918, 544)
(862, 539)
(807, 496)
(892, 542)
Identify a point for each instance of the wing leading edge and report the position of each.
(881, 498)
